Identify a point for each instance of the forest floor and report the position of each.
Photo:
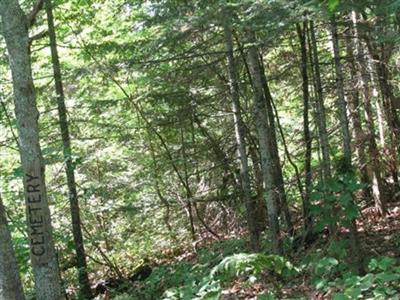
(379, 237)
(186, 275)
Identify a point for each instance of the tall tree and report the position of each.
(10, 281)
(363, 79)
(346, 167)
(320, 107)
(380, 59)
(278, 181)
(67, 151)
(354, 108)
(42, 250)
(321, 115)
(341, 101)
(264, 136)
(301, 32)
(240, 136)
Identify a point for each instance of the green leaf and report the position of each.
(320, 284)
(325, 265)
(367, 282)
(333, 4)
(266, 296)
(212, 295)
(353, 292)
(373, 265)
(17, 172)
(390, 291)
(385, 263)
(339, 296)
(386, 277)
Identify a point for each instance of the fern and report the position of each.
(245, 264)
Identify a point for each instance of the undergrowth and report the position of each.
(223, 264)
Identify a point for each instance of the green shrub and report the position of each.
(205, 280)
(381, 281)
(332, 201)
(243, 264)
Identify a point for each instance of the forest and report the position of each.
(199, 149)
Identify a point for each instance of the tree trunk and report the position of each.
(81, 265)
(341, 103)
(278, 182)
(42, 250)
(321, 118)
(10, 281)
(320, 108)
(264, 135)
(380, 57)
(373, 85)
(344, 124)
(377, 184)
(390, 113)
(301, 32)
(354, 109)
(262, 218)
(240, 140)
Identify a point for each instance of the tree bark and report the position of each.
(354, 114)
(81, 265)
(240, 140)
(42, 250)
(10, 281)
(278, 181)
(390, 113)
(380, 59)
(301, 32)
(341, 103)
(262, 218)
(377, 184)
(320, 108)
(264, 135)
(321, 118)
(344, 124)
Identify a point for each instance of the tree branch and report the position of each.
(35, 10)
(38, 36)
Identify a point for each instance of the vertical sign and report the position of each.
(38, 222)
